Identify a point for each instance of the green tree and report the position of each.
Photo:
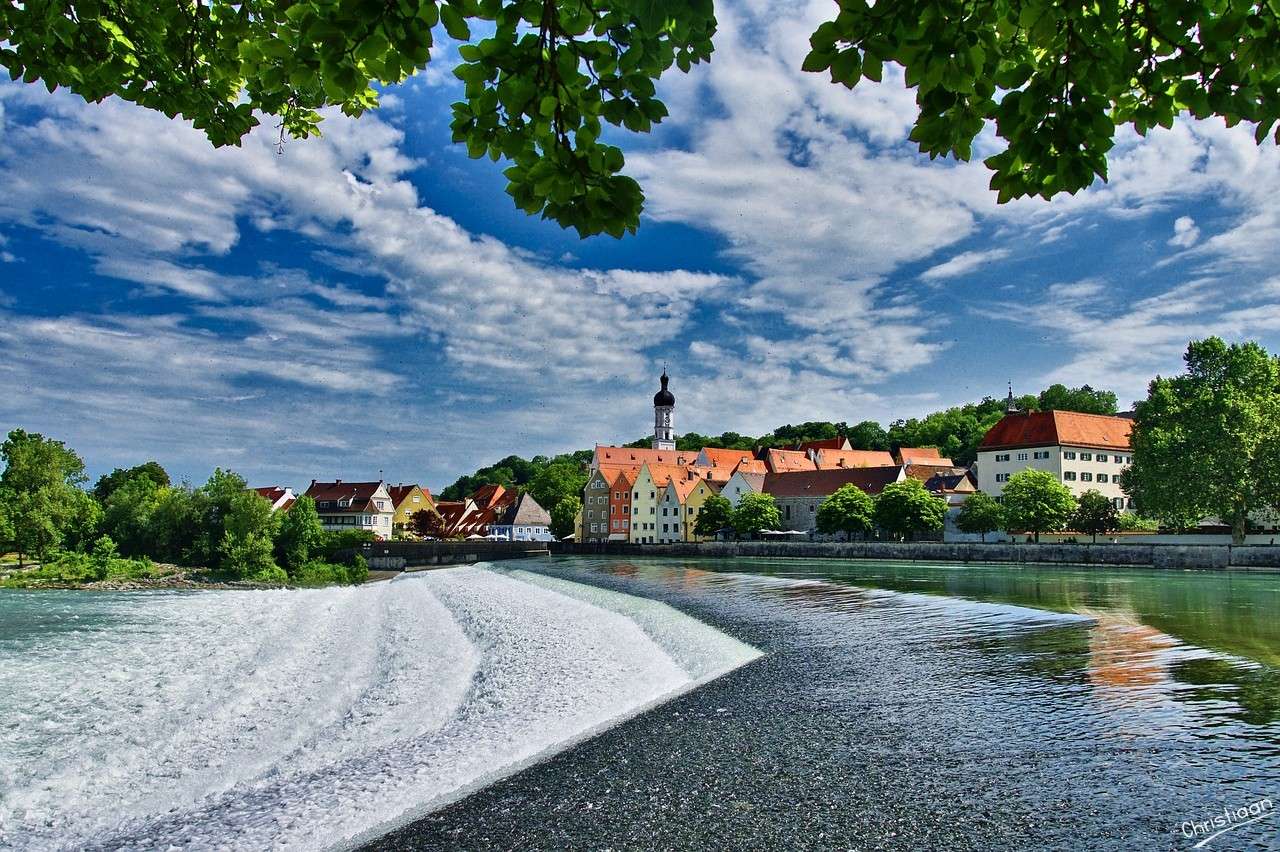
(211, 506)
(543, 81)
(1095, 513)
(127, 515)
(755, 512)
(45, 505)
(1083, 399)
(979, 514)
(564, 515)
(109, 483)
(300, 536)
(1054, 80)
(906, 508)
(715, 515)
(557, 481)
(174, 525)
(868, 435)
(848, 510)
(1207, 442)
(1035, 501)
(249, 529)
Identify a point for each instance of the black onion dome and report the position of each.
(664, 396)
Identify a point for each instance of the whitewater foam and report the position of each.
(311, 719)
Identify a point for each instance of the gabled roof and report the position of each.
(624, 478)
(493, 496)
(924, 472)
(637, 456)
(844, 459)
(951, 483)
(280, 498)
(751, 466)
(524, 511)
(755, 480)
(1058, 428)
(662, 473)
(400, 493)
(824, 483)
(920, 455)
(824, 444)
(719, 457)
(360, 495)
(785, 461)
(683, 487)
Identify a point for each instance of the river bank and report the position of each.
(905, 707)
(157, 576)
(1164, 556)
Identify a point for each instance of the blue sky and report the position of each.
(371, 302)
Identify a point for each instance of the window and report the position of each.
(652, 510)
(364, 519)
(595, 528)
(1086, 477)
(636, 510)
(1002, 477)
(1022, 456)
(1040, 454)
(1129, 504)
(617, 495)
(613, 510)
(636, 495)
(788, 512)
(664, 527)
(651, 495)
(1002, 457)
(1069, 476)
(811, 509)
(1118, 502)
(1086, 457)
(1102, 477)
(690, 512)
(1070, 455)
(417, 498)
(1102, 457)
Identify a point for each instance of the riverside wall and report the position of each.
(1174, 556)
(411, 555)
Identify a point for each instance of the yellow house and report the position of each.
(693, 505)
(646, 497)
(408, 499)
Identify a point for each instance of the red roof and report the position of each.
(1058, 428)
(634, 457)
(824, 483)
(837, 459)
(920, 455)
(726, 458)
(785, 461)
(400, 493)
(272, 493)
(750, 466)
(358, 495)
(824, 444)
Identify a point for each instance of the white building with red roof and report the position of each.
(280, 497)
(354, 506)
(1083, 451)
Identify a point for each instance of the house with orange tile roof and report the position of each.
(670, 520)
(827, 459)
(636, 456)
(800, 494)
(787, 461)
(598, 504)
(620, 503)
(1083, 451)
(825, 444)
(716, 457)
(921, 455)
(702, 489)
(408, 500)
(647, 494)
(750, 466)
(742, 483)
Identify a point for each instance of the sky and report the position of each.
(370, 304)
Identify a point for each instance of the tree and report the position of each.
(868, 435)
(755, 512)
(715, 516)
(905, 508)
(1035, 501)
(45, 505)
(564, 515)
(427, 523)
(249, 530)
(1083, 399)
(300, 536)
(1206, 443)
(557, 481)
(1095, 513)
(127, 514)
(979, 514)
(849, 510)
(542, 80)
(109, 483)
(1056, 79)
(211, 506)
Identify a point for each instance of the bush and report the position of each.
(318, 573)
(358, 572)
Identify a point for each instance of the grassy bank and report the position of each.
(83, 571)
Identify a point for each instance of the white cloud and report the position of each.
(963, 264)
(1185, 232)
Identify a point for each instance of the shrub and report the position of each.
(358, 571)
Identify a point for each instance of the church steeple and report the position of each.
(1010, 407)
(664, 404)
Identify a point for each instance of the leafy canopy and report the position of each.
(905, 508)
(848, 510)
(1035, 502)
(564, 515)
(1095, 513)
(755, 512)
(1057, 78)
(715, 515)
(1207, 443)
(980, 514)
(542, 79)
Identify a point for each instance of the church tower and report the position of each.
(664, 404)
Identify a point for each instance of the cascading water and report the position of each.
(310, 719)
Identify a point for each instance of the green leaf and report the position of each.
(454, 24)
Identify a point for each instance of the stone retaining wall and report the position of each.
(1182, 556)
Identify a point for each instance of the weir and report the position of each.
(418, 555)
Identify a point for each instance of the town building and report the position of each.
(520, 519)
(787, 461)
(280, 497)
(832, 459)
(664, 408)
(920, 455)
(408, 500)
(742, 483)
(353, 505)
(620, 503)
(646, 494)
(596, 505)
(808, 447)
(670, 524)
(800, 494)
(702, 489)
(1083, 451)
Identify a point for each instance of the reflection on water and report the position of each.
(1210, 640)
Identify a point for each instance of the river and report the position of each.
(648, 704)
